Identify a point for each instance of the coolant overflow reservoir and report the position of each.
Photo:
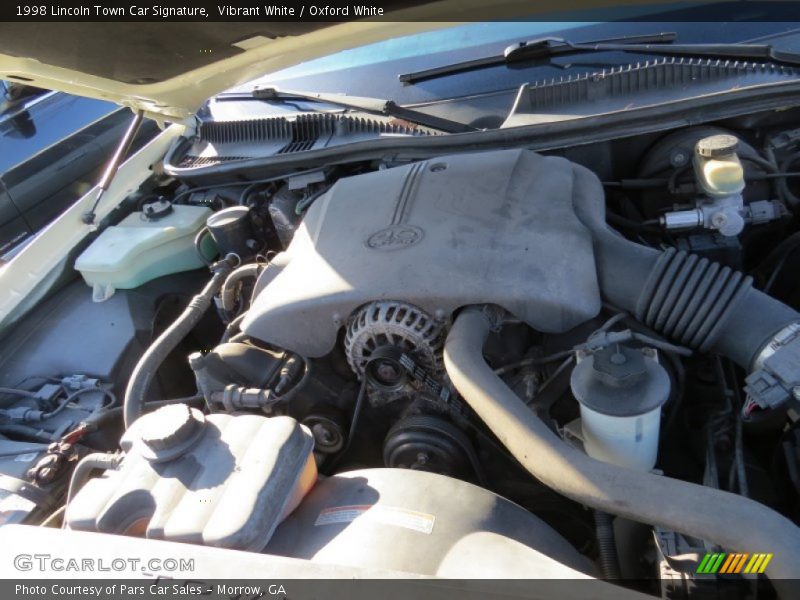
(138, 249)
(219, 480)
(621, 390)
(717, 167)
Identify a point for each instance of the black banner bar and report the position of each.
(334, 11)
(326, 589)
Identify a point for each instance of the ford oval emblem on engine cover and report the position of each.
(395, 237)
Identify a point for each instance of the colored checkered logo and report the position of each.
(721, 562)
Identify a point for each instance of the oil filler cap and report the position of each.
(169, 431)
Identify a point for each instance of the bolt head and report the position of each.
(678, 159)
(719, 219)
(387, 371)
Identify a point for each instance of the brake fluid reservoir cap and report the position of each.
(170, 431)
(715, 146)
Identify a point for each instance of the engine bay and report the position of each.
(595, 350)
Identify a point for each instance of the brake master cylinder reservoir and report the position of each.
(717, 167)
(621, 390)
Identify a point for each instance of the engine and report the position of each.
(439, 235)
(588, 357)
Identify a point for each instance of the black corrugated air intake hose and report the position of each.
(694, 301)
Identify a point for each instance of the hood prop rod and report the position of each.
(113, 165)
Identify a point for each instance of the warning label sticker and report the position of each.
(386, 515)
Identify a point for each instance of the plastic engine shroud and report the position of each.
(495, 227)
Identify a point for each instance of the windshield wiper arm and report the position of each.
(550, 47)
(371, 105)
(740, 51)
(530, 50)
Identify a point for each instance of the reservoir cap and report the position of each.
(620, 381)
(169, 431)
(716, 146)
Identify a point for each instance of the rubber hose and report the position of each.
(694, 301)
(732, 521)
(606, 544)
(15, 429)
(101, 418)
(145, 370)
(198, 245)
(232, 328)
(228, 293)
(84, 468)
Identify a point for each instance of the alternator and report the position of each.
(386, 327)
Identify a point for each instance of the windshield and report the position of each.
(413, 46)
(483, 97)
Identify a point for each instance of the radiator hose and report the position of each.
(145, 370)
(732, 521)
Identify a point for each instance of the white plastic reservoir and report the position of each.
(621, 391)
(625, 441)
(126, 255)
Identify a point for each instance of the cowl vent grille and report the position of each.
(225, 141)
(302, 129)
(637, 85)
(252, 130)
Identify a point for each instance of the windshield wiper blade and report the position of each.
(531, 50)
(735, 51)
(371, 105)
